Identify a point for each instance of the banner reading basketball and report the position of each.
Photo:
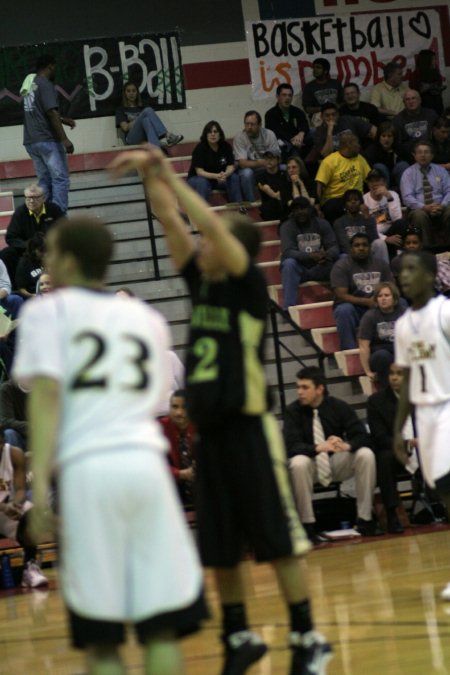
(357, 46)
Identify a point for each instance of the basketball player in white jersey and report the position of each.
(422, 348)
(95, 363)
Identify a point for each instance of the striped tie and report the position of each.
(427, 189)
(322, 459)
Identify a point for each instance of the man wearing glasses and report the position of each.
(36, 215)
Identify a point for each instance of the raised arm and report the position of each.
(164, 187)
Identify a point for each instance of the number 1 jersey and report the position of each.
(109, 355)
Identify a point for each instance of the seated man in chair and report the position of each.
(325, 442)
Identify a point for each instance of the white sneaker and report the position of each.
(445, 593)
(32, 576)
(173, 139)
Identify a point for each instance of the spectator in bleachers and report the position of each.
(354, 107)
(212, 166)
(413, 241)
(308, 249)
(297, 178)
(288, 123)
(413, 124)
(340, 171)
(322, 89)
(428, 81)
(385, 208)
(13, 414)
(387, 95)
(441, 142)
(249, 147)
(382, 156)
(327, 136)
(381, 412)
(140, 124)
(425, 189)
(376, 332)
(44, 137)
(36, 215)
(30, 266)
(44, 284)
(321, 429)
(180, 432)
(354, 279)
(357, 220)
(14, 509)
(273, 188)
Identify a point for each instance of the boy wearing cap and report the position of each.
(308, 249)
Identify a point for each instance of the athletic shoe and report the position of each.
(32, 576)
(393, 524)
(445, 593)
(367, 528)
(310, 653)
(241, 650)
(173, 139)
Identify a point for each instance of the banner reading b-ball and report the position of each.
(357, 46)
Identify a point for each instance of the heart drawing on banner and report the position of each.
(420, 24)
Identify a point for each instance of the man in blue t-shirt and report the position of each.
(43, 133)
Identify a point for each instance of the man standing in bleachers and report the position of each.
(44, 137)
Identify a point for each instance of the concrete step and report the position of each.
(313, 315)
(349, 362)
(310, 291)
(327, 339)
(271, 271)
(269, 230)
(269, 252)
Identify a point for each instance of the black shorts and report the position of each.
(181, 622)
(244, 495)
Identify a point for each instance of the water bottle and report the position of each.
(7, 575)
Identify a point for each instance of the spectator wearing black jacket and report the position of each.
(288, 123)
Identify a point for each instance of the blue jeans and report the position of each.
(294, 273)
(248, 179)
(204, 186)
(146, 127)
(50, 163)
(347, 318)
(14, 438)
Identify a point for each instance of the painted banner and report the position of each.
(338, 6)
(90, 74)
(357, 46)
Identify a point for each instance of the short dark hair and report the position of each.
(351, 84)
(360, 235)
(427, 260)
(353, 192)
(284, 85)
(375, 175)
(390, 68)
(246, 231)
(441, 123)
(89, 241)
(178, 392)
(329, 105)
(253, 112)
(208, 127)
(326, 65)
(427, 143)
(312, 373)
(413, 231)
(44, 60)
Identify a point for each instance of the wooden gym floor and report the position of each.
(377, 601)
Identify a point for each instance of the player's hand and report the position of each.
(394, 239)
(400, 449)
(68, 146)
(149, 159)
(69, 122)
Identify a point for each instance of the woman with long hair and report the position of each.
(376, 332)
(212, 165)
(139, 124)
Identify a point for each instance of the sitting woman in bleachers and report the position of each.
(297, 177)
(376, 333)
(212, 165)
(139, 124)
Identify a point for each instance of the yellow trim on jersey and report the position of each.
(251, 331)
(275, 444)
